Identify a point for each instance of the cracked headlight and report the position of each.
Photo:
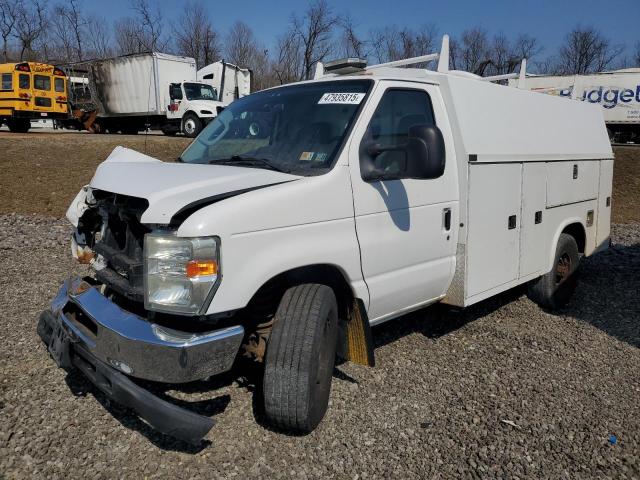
(180, 273)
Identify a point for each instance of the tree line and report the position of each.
(63, 32)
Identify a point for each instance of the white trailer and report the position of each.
(617, 92)
(150, 90)
(231, 81)
(304, 214)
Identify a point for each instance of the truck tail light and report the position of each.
(173, 107)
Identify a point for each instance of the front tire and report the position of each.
(556, 288)
(191, 125)
(300, 358)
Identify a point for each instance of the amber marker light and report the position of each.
(201, 268)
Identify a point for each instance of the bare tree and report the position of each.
(195, 36)
(314, 30)
(288, 66)
(30, 26)
(391, 44)
(8, 19)
(127, 36)
(99, 38)
(472, 52)
(141, 33)
(68, 30)
(150, 24)
(241, 47)
(586, 50)
(350, 44)
(506, 55)
(636, 55)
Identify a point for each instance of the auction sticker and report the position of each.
(341, 98)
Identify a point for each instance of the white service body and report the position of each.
(521, 168)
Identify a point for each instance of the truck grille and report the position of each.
(120, 242)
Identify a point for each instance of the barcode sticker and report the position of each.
(341, 98)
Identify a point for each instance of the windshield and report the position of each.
(200, 91)
(297, 129)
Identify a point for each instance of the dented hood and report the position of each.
(170, 187)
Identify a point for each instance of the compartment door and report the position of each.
(493, 243)
(532, 228)
(604, 201)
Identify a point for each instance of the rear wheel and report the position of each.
(19, 125)
(191, 125)
(300, 358)
(556, 288)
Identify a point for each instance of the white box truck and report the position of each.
(617, 92)
(151, 90)
(305, 214)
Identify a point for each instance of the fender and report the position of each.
(552, 253)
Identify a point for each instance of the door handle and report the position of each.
(447, 218)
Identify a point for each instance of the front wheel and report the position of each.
(191, 125)
(300, 358)
(556, 288)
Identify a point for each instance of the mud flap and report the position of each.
(359, 338)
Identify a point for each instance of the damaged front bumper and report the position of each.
(86, 330)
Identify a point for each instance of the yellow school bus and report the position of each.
(30, 91)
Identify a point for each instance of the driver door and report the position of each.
(405, 227)
(175, 109)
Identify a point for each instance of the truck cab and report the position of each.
(305, 214)
(194, 105)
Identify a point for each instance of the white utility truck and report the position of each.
(305, 214)
(617, 92)
(152, 90)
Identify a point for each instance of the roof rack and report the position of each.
(354, 65)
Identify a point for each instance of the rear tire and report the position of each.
(19, 125)
(556, 288)
(300, 358)
(191, 125)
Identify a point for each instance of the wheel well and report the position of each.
(269, 294)
(576, 230)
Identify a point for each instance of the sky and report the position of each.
(548, 20)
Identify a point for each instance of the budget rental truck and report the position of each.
(616, 92)
(164, 92)
(305, 214)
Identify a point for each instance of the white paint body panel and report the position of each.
(493, 249)
(532, 234)
(604, 202)
(563, 188)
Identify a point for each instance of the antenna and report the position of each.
(443, 60)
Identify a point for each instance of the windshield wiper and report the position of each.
(249, 161)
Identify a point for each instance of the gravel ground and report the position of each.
(500, 390)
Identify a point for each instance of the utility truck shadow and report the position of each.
(608, 291)
(80, 386)
(395, 199)
(439, 320)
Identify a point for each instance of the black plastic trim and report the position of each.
(160, 414)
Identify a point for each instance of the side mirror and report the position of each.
(424, 156)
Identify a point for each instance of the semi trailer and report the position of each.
(132, 93)
(303, 215)
(616, 92)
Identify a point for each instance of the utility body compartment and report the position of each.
(529, 167)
